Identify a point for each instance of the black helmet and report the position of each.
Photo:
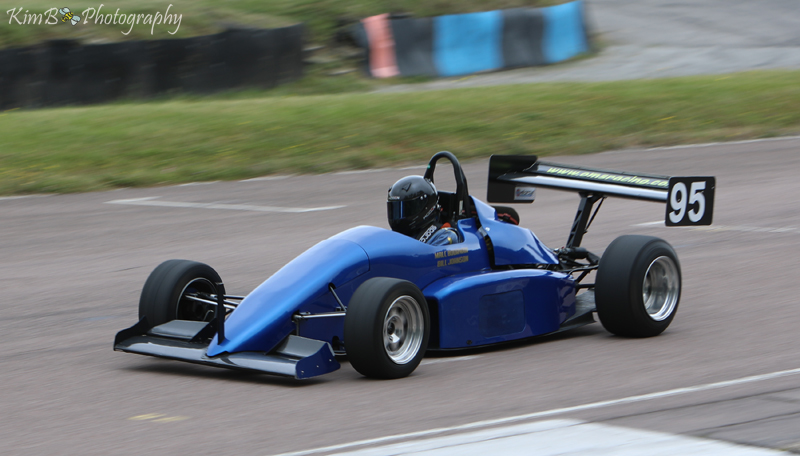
(412, 204)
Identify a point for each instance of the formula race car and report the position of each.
(383, 298)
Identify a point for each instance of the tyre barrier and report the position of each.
(63, 72)
(461, 44)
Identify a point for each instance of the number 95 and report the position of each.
(690, 201)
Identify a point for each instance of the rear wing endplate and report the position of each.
(513, 179)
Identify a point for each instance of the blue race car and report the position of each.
(383, 298)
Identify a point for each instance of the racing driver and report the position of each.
(413, 209)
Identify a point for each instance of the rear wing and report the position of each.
(513, 179)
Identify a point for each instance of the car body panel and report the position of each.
(264, 318)
(499, 306)
(512, 244)
(346, 260)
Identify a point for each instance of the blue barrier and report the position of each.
(564, 32)
(459, 44)
(468, 43)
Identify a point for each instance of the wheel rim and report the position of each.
(403, 330)
(661, 288)
(193, 310)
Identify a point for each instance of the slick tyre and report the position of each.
(386, 328)
(638, 286)
(164, 294)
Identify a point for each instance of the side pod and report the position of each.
(182, 340)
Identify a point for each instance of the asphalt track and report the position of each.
(72, 267)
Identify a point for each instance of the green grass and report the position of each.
(200, 17)
(165, 142)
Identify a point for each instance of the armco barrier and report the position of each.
(65, 72)
(460, 44)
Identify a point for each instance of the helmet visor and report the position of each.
(398, 210)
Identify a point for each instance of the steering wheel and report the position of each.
(462, 193)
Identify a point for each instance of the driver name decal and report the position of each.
(451, 257)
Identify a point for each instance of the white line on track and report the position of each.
(377, 170)
(361, 171)
(726, 143)
(338, 173)
(9, 198)
(192, 184)
(563, 437)
(546, 413)
(149, 201)
(747, 229)
(741, 228)
(268, 178)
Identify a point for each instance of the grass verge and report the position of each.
(167, 142)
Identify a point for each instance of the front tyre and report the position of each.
(165, 296)
(638, 286)
(386, 328)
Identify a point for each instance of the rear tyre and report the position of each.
(164, 294)
(386, 328)
(638, 286)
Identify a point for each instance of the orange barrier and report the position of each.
(382, 61)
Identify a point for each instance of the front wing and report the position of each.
(182, 340)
